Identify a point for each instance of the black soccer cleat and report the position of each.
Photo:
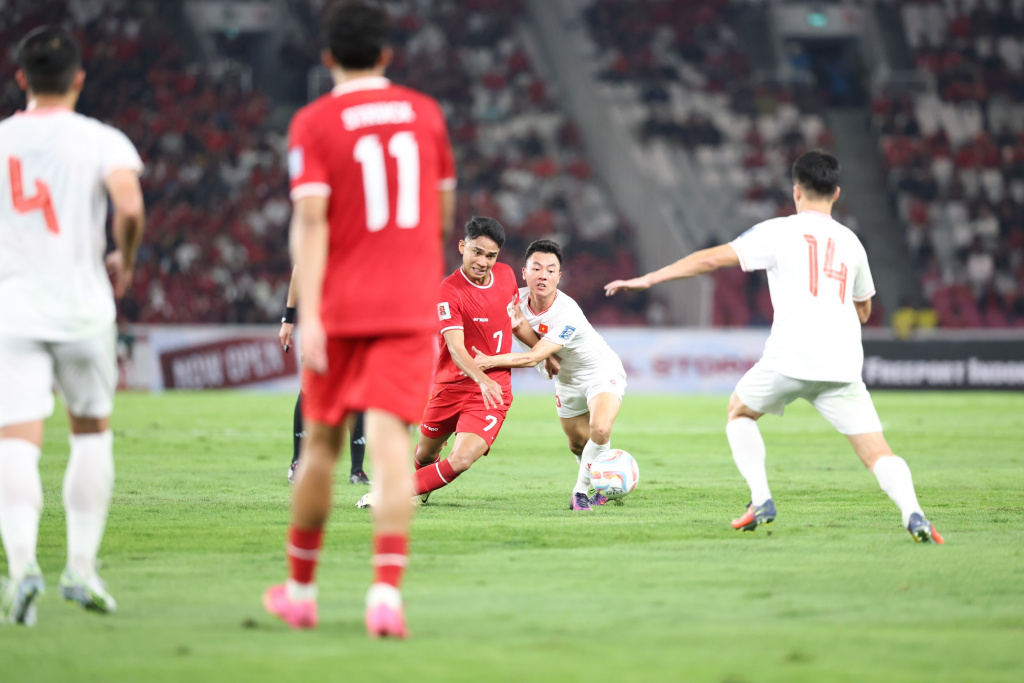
(359, 477)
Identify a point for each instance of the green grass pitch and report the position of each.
(506, 584)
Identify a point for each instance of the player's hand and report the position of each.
(552, 366)
(314, 346)
(491, 393)
(285, 335)
(120, 274)
(482, 360)
(636, 284)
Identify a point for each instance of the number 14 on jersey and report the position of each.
(830, 272)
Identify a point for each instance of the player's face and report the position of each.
(542, 273)
(478, 257)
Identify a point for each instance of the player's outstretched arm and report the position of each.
(309, 235)
(490, 390)
(540, 352)
(128, 222)
(697, 263)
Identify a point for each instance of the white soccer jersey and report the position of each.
(584, 352)
(816, 269)
(53, 213)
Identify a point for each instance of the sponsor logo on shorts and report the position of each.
(444, 311)
(567, 332)
(432, 429)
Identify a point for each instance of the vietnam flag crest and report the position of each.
(543, 329)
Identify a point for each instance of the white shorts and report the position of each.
(847, 406)
(574, 399)
(84, 372)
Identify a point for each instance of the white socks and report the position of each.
(893, 476)
(88, 486)
(300, 592)
(748, 453)
(591, 452)
(21, 502)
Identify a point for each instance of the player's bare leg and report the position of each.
(467, 450)
(295, 600)
(428, 452)
(21, 504)
(593, 429)
(88, 488)
(748, 453)
(389, 441)
(895, 479)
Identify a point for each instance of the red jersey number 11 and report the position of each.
(830, 272)
(40, 201)
(369, 152)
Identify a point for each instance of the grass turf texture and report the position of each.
(507, 584)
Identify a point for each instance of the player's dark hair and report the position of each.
(817, 173)
(355, 32)
(481, 226)
(545, 247)
(50, 57)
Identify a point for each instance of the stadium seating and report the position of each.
(954, 157)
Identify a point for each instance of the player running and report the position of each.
(57, 313)
(372, 177)
(357, 440)
(821, 290)
(591, 381)
(476, 306)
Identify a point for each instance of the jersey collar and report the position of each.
(363, 83)
(819, 213)
(528, 306)
(487, 286)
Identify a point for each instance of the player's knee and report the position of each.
(600, 433)
(462, 460)
(577, 446)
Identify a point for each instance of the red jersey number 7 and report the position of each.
(40, 201)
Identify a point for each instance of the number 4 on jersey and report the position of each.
(40, 201)
(830, 272)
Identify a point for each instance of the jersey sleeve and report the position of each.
(119, 152)
(564, 325)
(446, 176)
(449, 309)
(756, 247)
(863, 283)
(307, 170)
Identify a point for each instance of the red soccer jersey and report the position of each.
(380, 153)
(484, 314)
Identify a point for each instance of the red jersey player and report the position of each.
(372, 176)
(477, 306)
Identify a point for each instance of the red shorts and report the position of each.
(459, 408)
(392, 374)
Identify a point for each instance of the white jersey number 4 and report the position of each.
(830, 272)
(369, 152)
(40, 201)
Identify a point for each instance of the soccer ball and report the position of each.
(615, 474)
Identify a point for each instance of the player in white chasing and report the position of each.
(591, 380)
(57, 313)
(821, 290)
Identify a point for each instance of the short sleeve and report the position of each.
(449, 309)
(563, 325)
(446, 175)
(863, 283)
(756, 247)
(307, 171)
(119, 152)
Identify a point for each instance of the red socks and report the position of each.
(304, 552)
(433, 477)
(390, 557)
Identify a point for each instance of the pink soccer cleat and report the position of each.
(384, 615)
(296, 613)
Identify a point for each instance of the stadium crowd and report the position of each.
(955, 159)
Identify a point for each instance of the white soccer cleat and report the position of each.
(90, 594)
(18, 596)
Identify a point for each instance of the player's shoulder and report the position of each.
(505, 272)
(313, 111)
(765, 227)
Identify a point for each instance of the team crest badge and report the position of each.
(444, 311)
(567, 333)
(543, 329)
